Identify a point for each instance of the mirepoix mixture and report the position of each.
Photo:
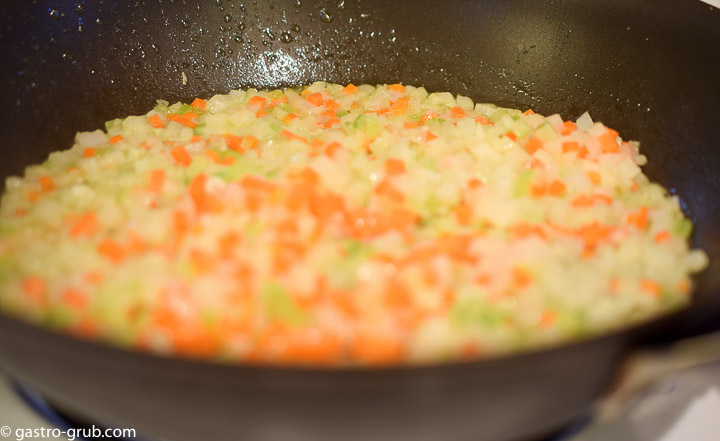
(342, 225)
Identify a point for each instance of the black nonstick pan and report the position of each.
(650, 70)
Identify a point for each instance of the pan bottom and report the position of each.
(65, 419)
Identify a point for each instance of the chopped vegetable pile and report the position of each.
(342, 225)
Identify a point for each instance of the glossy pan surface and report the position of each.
(650, 72)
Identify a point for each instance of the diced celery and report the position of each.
(474, 312)
(185, 108)
(113, 124)
(200, 130)
(368, 124)
(499, 114)
(683, 228)
(240, 168)
(522, 183)
(58, 317)
(520, 128)
(280, 306)
(546, 132)
(199, 164)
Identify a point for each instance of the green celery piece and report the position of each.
(522, 183)
(546, 132)
(185, 108)
(499, 114)
(368, 124)
(240, 168)
(683, 228)
(280, 306)
(113, 123)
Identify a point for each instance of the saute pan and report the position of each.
(652, 71)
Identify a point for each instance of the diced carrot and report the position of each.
(387, 190)
(521, 277)
(115, 139)
(400, 106)
(410, 124)
(260, 113)
(557, 188)
(46, 184)
(156, 122)
(430, 114)
(19, 212)
(587, 200)
(234, 143)
(397, 88)
(524, 229)
(188, 119)
(145, 145)
(331, 104)
(538, 190)
(199, 104)
(583, 152)
(332, 148)
(639, 218)
(394, 166)
(315, 99)
(316, 347)
(228, 160)
(194, 339)
(89, 152)
(429, 136)
(662, 236)
(227, 244)
(533, 145)
(350, 89)
(213, 155)
(289, 117)
(651, 287)
(203, 200)
(308, 175)
(608, 140)
(570, 146)
(463, 213)
(484, 121)
(474, 183)
(252, 182)
(547, 319)
(594, 177)
(181, 156)
(331, 118)
(290, 136)
(510, 134)
(112, 250)
(75, 298)
(197, 138)
(94, 277)
(35, 289)
(181, 223)
(568, 128)
(529, 112)
(156, 180)
(275, 101)
(85, 226)
(257, 101)
(458, 112)
(33, 196)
